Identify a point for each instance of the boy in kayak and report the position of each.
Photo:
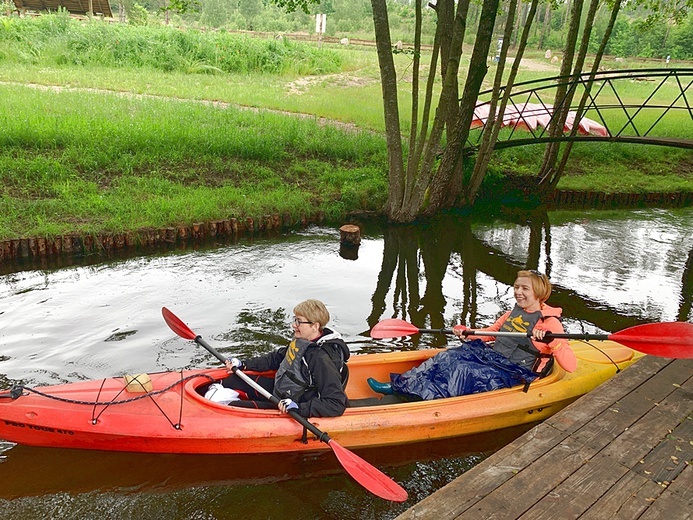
(311, 371)
(510, 360)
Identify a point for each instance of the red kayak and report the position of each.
(172, 415)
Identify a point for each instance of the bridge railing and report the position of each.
(647, 106)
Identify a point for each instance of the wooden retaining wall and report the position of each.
(599, 200)
(38, 248)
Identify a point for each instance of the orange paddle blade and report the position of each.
(393, 328)
(368, 475)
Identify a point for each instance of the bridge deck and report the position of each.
(622, 451)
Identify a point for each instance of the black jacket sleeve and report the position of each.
(329, 399)
(269, 361)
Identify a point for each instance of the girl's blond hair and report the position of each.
(540, 283)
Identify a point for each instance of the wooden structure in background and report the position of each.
(83, 7)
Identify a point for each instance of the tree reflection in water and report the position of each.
(418, 258)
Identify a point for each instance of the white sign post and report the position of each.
(320, 21)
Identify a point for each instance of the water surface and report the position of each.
(610, 271)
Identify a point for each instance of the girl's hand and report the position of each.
(458, 330)
(538, 334)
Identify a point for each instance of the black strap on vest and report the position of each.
(544, 371)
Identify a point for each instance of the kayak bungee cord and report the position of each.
(586, 342)
(18, 390)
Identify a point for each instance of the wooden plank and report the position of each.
(595, 459)
(465, 491)
(625, 500)
(526, 488)
(683, 485)
(671, 456)
(632, 406)
(579, 491)
(638, 440)
(669, 506)
(603, 397)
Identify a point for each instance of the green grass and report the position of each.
(608, 167)
(102, 162)
(106, 145)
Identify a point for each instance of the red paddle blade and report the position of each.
(368, 475)
(393, 328)
(177, 325)
(670, 340)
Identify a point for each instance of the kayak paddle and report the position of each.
(667, 339)
(364, 473)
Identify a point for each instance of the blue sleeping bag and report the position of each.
(468, 369)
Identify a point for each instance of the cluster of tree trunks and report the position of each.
(426, 185)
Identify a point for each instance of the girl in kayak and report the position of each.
(510, 360)
(311, 371)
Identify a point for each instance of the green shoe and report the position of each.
(381, 388)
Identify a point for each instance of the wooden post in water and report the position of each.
(349, 241)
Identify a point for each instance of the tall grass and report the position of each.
(93, 162)
(57, 40)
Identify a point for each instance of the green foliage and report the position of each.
(293, 5)
(183, 6)
(57, 40)
(138, 15)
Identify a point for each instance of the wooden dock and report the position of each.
(623, 451)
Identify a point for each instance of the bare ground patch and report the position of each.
(300, 86)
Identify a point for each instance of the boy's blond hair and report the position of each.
(314, 310)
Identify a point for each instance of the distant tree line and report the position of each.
(643, 29)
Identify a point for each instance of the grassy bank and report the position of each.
(107, 145)
(89, 162)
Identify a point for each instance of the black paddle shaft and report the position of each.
(322, 436)
(548, 337)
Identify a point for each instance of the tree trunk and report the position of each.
(568, 8)
(416, 188)
(447, 184)
(388, 79)
(494, 125)
(547, 25)
(414, 160)
(588, 86)
(518, 22)
(560, 108)
(495, 117)
(415, 78)
(445, 10)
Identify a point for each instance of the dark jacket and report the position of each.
(325, 397)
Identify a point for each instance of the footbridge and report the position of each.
(644, 106)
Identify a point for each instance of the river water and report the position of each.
(102, 317)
